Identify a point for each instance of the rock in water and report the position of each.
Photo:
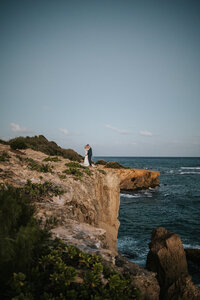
(167, 258)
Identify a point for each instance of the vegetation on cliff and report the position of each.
(40, 143)
(4, 156)
(35, 267)
(111, 164)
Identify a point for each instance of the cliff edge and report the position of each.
(83, 203)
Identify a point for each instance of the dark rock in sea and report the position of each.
(193, 255)
(167, 258)
(101, 162)
(129, 255)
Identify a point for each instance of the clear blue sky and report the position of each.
(123, 76)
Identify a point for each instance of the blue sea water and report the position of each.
(175, 205)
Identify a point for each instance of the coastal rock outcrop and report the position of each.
(167, 258)
(132, 179)
(193, 255)
(137, 179)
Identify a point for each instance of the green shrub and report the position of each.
(87, 171)
(20, 234)
(54, 277)
(74, 171)
(115, 165)
(101, 162)
(54, 159)
(33, 165)
(18, 143)
(62, 176)
(4, 156)
(4, 142)
(84, 169)
(38, 189)
(40, 143)
(74, 164)
(101, 171)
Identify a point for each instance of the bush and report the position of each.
(4, 156)
(55, 274)
(115, 165)
(54, 159)
(33, 165)
(41, 189)
(74, 171)
(21, 237)
(101, 171)
(3, 142)
(18, 143)
(40, 143)
(76, 165)
(101, 162)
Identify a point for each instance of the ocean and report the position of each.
(175, 205)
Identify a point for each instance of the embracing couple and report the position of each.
(88, 156)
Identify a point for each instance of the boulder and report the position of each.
(167, 258)
(193, 255)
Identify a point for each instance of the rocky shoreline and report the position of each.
(87, 212)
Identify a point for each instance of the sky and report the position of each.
(123, 76)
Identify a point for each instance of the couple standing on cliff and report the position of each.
(88, 156)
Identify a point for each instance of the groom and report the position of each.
(90, 155)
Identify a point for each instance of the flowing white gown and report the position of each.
(86, 161)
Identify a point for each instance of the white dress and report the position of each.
(86, 161)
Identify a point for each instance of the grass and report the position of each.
(41, 189)
(4, 156)
(77, 169)
(101, 171)
(74, 171)
(44, 168)
(53, 159)
(115, 165)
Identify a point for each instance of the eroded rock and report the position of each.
(137, 179)
(167, 258)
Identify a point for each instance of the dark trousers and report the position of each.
(90, 159)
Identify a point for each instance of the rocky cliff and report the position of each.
(91, 199)
(168, 259)
(83, 202)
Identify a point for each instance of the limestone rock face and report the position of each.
(86, 211)
(137, 179)
(167, 258)
(93, 199)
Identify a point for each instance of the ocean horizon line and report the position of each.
(126, 156)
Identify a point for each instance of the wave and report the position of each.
(189, 173)
(130, 195)
(144, 194)
(191, 168)
(186, 246)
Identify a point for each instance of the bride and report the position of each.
(86, 161)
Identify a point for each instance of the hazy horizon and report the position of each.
(122, 76)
